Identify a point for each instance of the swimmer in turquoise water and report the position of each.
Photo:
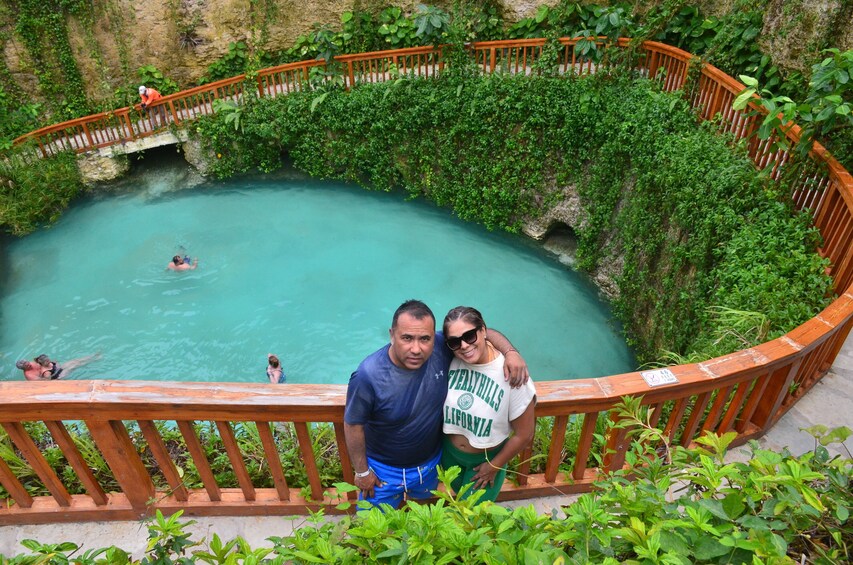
(182, 263)
(43, 369)
(274, 371)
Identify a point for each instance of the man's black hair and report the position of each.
(414, 308)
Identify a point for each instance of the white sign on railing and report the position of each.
(659, 377)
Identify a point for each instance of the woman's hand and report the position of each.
(485, 475)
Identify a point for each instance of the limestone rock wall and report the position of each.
(182, 37)
(179, 37)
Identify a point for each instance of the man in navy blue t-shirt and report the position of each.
(392, 421)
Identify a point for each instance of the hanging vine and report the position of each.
(42, 26)
(86, 19)
(261, 14)
(118, 20)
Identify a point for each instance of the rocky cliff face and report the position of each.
(178, 37)
(182, 37)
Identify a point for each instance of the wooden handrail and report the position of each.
(751, 389)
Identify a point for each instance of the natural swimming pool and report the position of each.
(307, 269)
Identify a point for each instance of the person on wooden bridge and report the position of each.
(149, 96)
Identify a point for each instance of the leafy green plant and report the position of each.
(234, 62)
(230, 110)
(478, 21)
(168, 540)
(16, 118)
(826, 109)
(359, 32)
(152, 77)
(43, 29)
(397, 30)
(431, 24)
(530, 27)
(34, 191)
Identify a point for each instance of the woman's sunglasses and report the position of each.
(468, 337)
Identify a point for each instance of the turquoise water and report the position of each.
(306, 269)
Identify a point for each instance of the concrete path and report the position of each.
(829, 403)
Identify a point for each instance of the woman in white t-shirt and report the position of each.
(486, 423)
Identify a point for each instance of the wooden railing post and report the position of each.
(555, 451)
(37, 461)
(616, 447)
(174, 113)
(14, 487)
(88, 135)
(306, 448)
(122, 458)
(774, 393)
(130, 133)
(584, 445)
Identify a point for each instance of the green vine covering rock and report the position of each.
(42, 26)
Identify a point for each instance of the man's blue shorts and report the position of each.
(414, 482)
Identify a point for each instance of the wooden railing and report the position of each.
(745, 392)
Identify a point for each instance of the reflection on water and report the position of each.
(309, 270)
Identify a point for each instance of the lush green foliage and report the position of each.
(729, 41)
(233, 63)
(825, 111)
(34, 191)
(16, 117)
(681, 220)
(152, 77)
(678, 507)
(670, 198)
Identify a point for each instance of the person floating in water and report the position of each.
(182, 263)
(43, 369)
(274, 371)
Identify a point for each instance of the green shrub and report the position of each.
(150, 76)
(233, 63)
(34, 191)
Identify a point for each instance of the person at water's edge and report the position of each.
(392, 419)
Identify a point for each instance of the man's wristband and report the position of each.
(364, 474)
(510, 350)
